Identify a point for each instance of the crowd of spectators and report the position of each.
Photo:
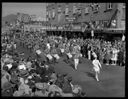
(36, 76)
(30, 76)
(107, 52)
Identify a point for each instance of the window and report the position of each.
(124, 4)
(59, 9)
(49, 15)
(105, 23)
(79, 11)
(95, 7)
(66, 10)
(109, 6)
(74, 9)
(53, 13)
(59, 17)
(86, 10)
(123, 15)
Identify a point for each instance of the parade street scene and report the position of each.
(63, 49)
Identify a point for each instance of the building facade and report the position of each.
(21, 17)
(121, 16)
(86, 15)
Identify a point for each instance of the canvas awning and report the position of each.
(116, 29)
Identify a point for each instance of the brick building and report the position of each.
(86, 15)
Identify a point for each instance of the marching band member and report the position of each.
(96, 67)
(76, 56)
(48, 55)
(56, 56)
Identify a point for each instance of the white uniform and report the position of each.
(62, 50)
(76, 60)
(48, 45)
(22, 66)
(69, 55)
(89, 54)
(115, 54)
(56, 56)
(96, 65)
(49, 56)
(38, 52)
(94, 54)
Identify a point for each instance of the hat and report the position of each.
(41, 85)
(22, 66)
(76, 89)
(9, 66)
(29, 77)
(7, 85)
(53, 88)
(23, 73)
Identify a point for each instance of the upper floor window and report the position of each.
(66, 10)
(59, 9)
(95, 7)
(79, 11)
(53, 13)
(124, 5)
(123, 15)
(74, 9)
(86, 10)
(109, 6)
(49, 15)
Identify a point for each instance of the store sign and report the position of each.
(70, 19)
(60, 28)
(76, 27)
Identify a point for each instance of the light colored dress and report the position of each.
(96, 65)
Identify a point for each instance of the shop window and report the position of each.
(49, 15)
(105, 23)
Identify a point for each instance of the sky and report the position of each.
(38, 9)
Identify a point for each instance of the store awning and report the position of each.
(116, 29)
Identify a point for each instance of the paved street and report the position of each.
(112, 78)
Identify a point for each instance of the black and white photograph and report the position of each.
(63, 49)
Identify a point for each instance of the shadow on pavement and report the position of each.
(89, 74)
